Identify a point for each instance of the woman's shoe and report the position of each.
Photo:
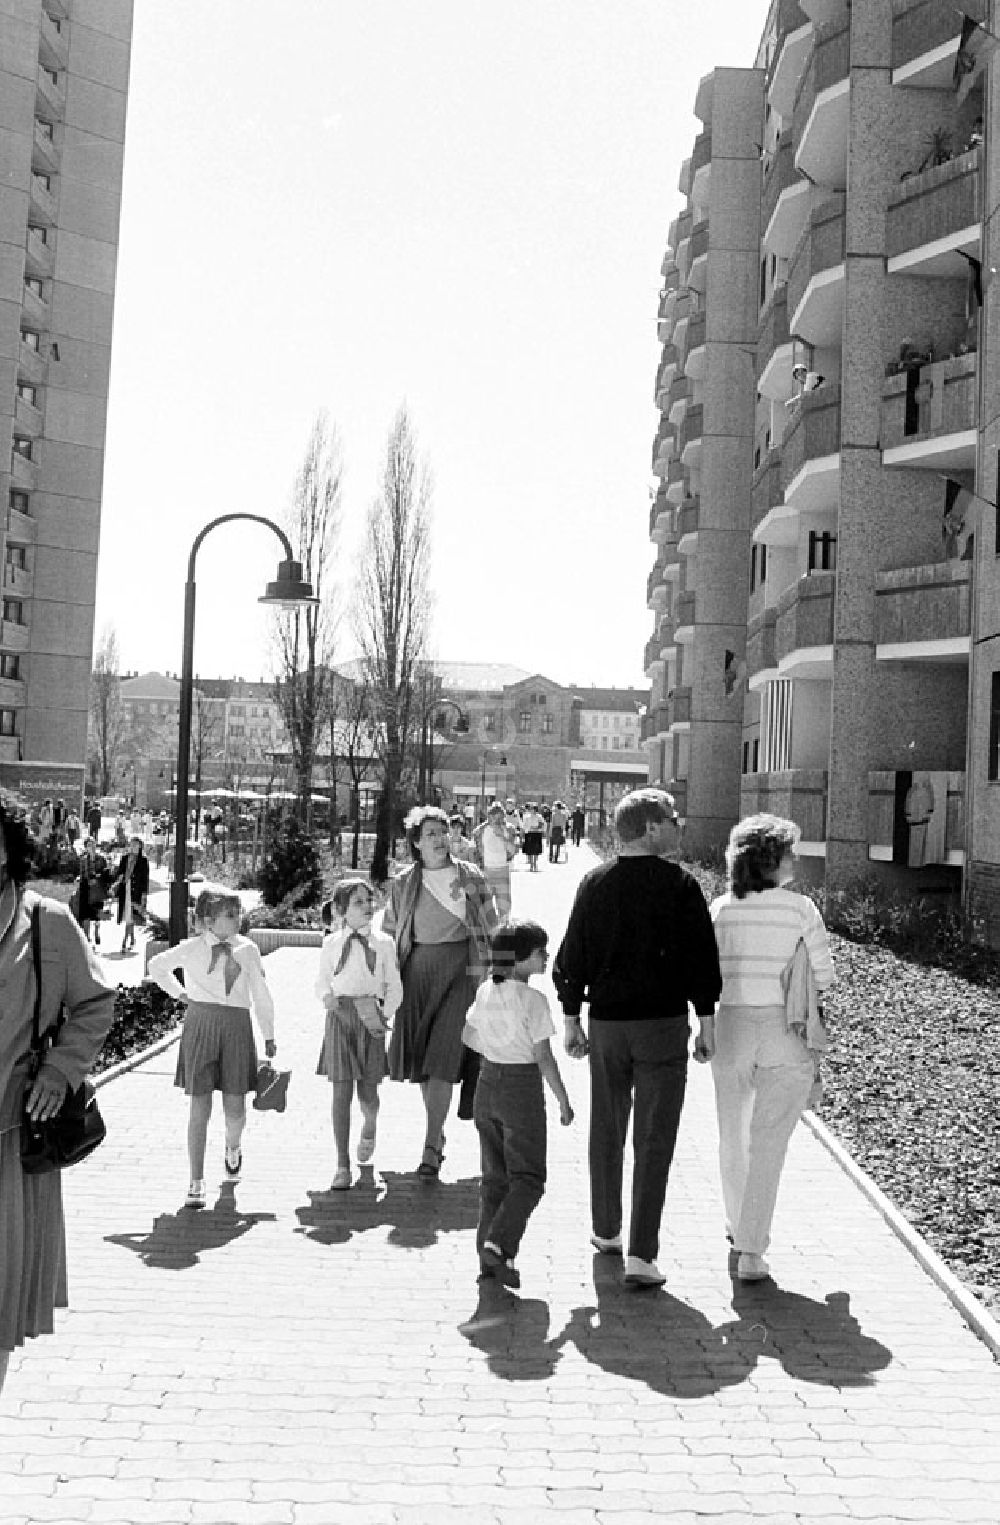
(234, 1163)
(366, 1148)
(342, 1179)
(430, 1166)
(751, 1267)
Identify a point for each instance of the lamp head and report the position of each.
(289, 591)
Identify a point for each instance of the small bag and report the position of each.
(78, 1127)
(272, 1088)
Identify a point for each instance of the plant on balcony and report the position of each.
(939, 149)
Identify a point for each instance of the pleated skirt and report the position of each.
(427, 1032)
(32, 1247)
(217, 1051)
(350, 1052)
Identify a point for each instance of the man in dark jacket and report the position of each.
(639, 948)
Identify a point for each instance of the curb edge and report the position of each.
(134, 1060)
(969, 1306)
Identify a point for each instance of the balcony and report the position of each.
(701, 168)
(684, 622)
(50, 93)
(816, 279)
(684, 179)
(20, 527)
(27, 417)
(653, 663)
(933, 217)
(687, 526)
(690, 435)
(664, 442)
(924, 44)
(53, 43)
(18, 582)
(679, 706)
(661, 720)
(797, 794)
(762, 662)
(39, 256)
(698, 273)
(685, 223)
(59, 9)
(31, 365)
(678, 790)
(22, 472)
(659, 518)
(822, 107)
(45, 152)
(12, 693)
(774, 349)
(14, 637)
(665, 372)
(681, 392)
(694, 348)
(779, 174)
(922, 614)
(656, 589)
(882, 833)
(929, 416)
(682, 311)
(810, 452)
(665, 633)
(34, 308)
(767, 495)
(675, 483)
(41, 201)
(789, 63)
(803, 632)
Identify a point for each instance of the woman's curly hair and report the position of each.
(757, 845)
(414, 823)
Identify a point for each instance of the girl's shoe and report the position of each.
(196, 1195)
(234, 1163)
(366, 1148)
(430, 1166)
(752, 1267)
(342, 1179)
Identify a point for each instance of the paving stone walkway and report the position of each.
(290, 1356)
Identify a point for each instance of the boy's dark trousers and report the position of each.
(510, 1116)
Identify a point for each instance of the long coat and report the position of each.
(140, 882)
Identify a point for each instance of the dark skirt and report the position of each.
(438, 990)
(349, 1051)
(217, 1051)
(532, 844)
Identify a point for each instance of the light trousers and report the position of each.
(763, 1075)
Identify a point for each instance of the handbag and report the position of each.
(78, 1127)
(272, 1088)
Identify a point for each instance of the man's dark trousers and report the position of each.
(642, 1063)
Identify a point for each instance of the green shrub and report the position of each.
(291, 871)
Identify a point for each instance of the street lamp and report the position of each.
(288, 591)
(426, 780)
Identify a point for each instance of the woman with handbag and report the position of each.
(32, 1240)
(131, 886)
(90, 890)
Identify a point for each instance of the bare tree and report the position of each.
(107, 730)
(355, 745)
(392, 612)
(305, 637)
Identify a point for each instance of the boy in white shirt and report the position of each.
(510, 1026)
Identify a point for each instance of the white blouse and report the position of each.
(194, 956)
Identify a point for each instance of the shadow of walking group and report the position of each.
(656, 1338)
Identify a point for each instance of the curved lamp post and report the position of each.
(288, 591)
(426, 788)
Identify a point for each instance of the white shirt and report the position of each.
(757, 937)
(194, 955)
(506, 1021)
(494, 849)
(356, 979)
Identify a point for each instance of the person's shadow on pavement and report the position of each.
(816, 1342)
(512, 1332)
(415, 1211)
(177, 1241)
(651, 1336)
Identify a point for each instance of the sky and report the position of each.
(345, 205)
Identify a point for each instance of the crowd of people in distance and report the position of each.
(435, 989)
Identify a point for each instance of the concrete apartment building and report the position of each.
(64, 68)
(863, 693)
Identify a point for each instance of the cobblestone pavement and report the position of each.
(295, 1356)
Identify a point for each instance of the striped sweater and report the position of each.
(757, 937)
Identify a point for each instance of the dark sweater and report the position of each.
(639, 944)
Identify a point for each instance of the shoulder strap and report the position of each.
(36, 959)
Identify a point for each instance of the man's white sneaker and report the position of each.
(196, 1195)
(752, 1267)
(643, 1273)
(612, 1246)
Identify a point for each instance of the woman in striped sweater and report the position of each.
(762, 1070)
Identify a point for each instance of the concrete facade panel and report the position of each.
(89, 210)
(82, 367)
(81, 314)
(11, 273)
(13, 214)
(728, 400)
(75, 418)
(64, 523)
(94, 160)
(113, 18)
(86, 262)
(737, 114)
(62, 628)
(71, 471)
(15, 159)
(725, 487)
(17, 98)
(56, 733)
(734, 219)
(19, 46)
(731, 309)
(95, 108)
(98, 57)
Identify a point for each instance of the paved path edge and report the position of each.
(134, 1060)
(969, 1306)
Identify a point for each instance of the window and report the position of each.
(22, 446)
(489, 720)
(524, 721)
(753, 566)
(8, 722)
(46, 129)
(27, 393)
(993, 768)
(604, 743)
(756, 754)
(822, 551)
(763, 563)
(616, 743)
(13, 610)
(543, 698)
(548, 724)
(617, 722)
(10, 666)
(605, 721)
(30, 338)
(746, 756)
(34, 285)
(19, 501)
(16, 556)
(45, 181)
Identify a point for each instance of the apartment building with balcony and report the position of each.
(871, 645)
(64, 67)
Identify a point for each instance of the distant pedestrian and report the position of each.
(94, 820)
(762, 1068)
(510, 1027)
(640, 948)
(59, 819)
(223, 978)
(131, 886)
(45, 821)
(558, 821)
(579, 822)
(461, 845)
(90, 890)
(72, 827)
(358, 983)
(495, 845)
(532, 832)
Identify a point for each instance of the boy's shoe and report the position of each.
(366, 1149)
(612, 1246)
(234, 1163)
(752, 1267)
(196, 1195)
(342, 1179)
(500, 1268)
(643, 1273)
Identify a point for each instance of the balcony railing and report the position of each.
(926, 603)
(664, 441)
(45, 153)
(923, 28)
(805, 615)
(651, 655)
(661, 720)
(669, 361)
(28, 417)
(938, 399)
(760, 642)
(14, 637)
(685, 610)
(17, 581)
(882, 816)
(778, 176)
(814, 434)
(828, 64)
(798, 794)
(687, 517)
(692, 427)
(51, 91)
(22, 472)
(937, 202)
(11, 692)
(53, 43)
(675, 482)
(654, 580)
(695, 337)
(680, 391)
(41, 200)
(658, 507)
(766, 492)
(699, 251)
(772, 330)
(39, 258)
(31, 366)
(20, 526)
(820, 248)
(680, 707)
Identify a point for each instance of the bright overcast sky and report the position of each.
(344, 205)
